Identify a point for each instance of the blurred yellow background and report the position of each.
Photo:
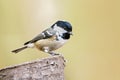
(93, 53)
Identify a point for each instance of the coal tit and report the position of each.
(50, 39)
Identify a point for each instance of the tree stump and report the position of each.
(51, 68)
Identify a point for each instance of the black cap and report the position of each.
(65, 25)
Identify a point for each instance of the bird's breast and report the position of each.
(52, 44)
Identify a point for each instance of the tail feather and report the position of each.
(27, 43)
(19, 49)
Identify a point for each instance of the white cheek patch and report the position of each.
(59, 29)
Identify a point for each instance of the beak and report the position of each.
(71, 33)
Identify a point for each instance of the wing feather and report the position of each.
(44, 35)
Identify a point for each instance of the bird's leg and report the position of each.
(46, 49)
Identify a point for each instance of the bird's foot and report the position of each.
(53, 53)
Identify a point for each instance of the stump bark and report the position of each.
(51, 68)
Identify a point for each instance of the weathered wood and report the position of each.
(42, 69)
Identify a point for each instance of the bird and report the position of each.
(50, 39)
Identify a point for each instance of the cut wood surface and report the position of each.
(51, 68)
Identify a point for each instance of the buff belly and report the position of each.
(51, 45)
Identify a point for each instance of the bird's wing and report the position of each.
(44, 35)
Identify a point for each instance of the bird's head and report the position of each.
(64, 25)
